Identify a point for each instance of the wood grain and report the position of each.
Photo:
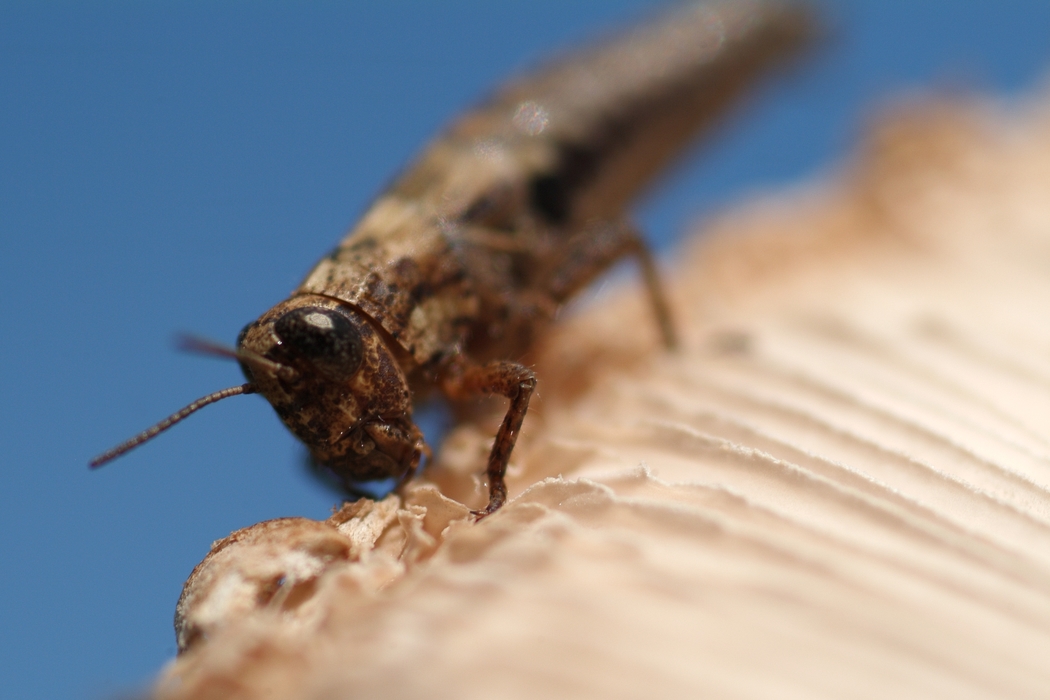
(837, 488)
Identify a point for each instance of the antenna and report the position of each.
(202, 346)
(171, 420)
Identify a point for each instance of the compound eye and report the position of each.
(322, 337)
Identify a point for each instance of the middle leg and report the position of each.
(594, 250)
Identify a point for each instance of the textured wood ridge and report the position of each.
(838, 488)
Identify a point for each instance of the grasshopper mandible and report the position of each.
(469, 255)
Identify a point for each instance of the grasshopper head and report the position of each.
(334, 381)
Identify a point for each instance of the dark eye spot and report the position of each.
(322, 338)
(549, 197)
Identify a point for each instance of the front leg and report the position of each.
(462, 380)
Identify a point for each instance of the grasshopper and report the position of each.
(469, 255)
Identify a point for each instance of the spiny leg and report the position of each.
(593, 251)
(509, 379)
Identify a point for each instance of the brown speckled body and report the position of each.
(474, 244)
(452, 273)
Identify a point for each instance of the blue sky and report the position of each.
(176, 167)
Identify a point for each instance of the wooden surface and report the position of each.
(837, 488)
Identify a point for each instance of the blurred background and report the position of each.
(178, 166)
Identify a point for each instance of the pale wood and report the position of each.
(837, 488)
